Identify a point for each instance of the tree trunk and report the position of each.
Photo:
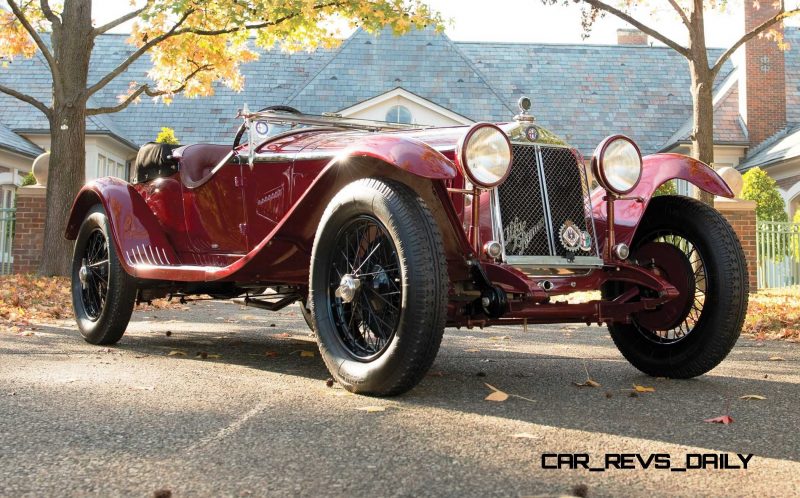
(65, 179)
(702, 94)
(72, 48)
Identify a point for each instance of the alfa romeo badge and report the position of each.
(532, 133)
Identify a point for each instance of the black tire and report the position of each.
(103, 303)
(303, 304)
(709, 329)
(407, 329)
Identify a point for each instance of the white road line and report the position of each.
(230, 429)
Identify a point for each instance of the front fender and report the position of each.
(138, 237)
(404, 153)
(657, 169)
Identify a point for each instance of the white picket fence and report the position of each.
(778, 252)
(6, 239)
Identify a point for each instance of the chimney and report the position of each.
(631, 37)
(764, 90)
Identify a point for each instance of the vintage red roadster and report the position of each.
(386, 234)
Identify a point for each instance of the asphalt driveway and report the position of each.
(228, 404)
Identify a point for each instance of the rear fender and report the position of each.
(138, 237)
(657, 169)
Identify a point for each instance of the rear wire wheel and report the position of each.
(103, 294)
(694, 248)
(378, 287)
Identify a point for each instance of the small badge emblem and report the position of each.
(570, 236)
(532, 133)
(586, 241)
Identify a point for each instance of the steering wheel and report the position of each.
(281, 108)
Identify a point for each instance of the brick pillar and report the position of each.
(741, 215)
(631, 37)
(29, 228)
(765, 80)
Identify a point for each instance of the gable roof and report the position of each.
(12, 142)
(422, 62)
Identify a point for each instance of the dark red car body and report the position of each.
(221, 220)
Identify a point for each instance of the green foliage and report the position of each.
(28, 179)
(669, 188)
(167, 136)
(796, 218)
(759, 187)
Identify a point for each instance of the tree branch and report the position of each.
(639, 25)
(748, 36)
(27, 99)
(36, 38)
(48, 12)
(120, 20)
(681, 13)
(173, 31)
(145, 89)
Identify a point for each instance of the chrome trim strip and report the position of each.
(548, 216)
(282, 157)
(555, 261)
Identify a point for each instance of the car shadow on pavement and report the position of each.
(539, 369)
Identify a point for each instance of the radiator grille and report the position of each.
(547, 187)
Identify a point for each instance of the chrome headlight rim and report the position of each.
(463, 148)
(599, 169)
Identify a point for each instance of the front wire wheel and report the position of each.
(364, 253)
(378, 287)
(694, 248)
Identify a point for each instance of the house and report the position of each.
(582, 92)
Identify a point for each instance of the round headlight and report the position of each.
(617, 164)
(484, 155)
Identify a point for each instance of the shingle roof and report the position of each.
(582, 92)
(585, 92)
(12, 142)
(782, 146)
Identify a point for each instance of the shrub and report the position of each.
(167, 136)
(28, 179)
(668, 188)
(759, 187)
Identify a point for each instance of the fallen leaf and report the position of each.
(283, 335)
(26, 333)
(306, 354)
(176, 353)
(776, 358)
(496, 395)
(500, 338)
(472, 350)
(588, 383)
(106, 350)
(643, 389)
(437, 373)
(372, 408)
(141, 356)
(752, 397)
(525, 435)
(214, 356)
(271, 354)
(329, 382)
(724, 419)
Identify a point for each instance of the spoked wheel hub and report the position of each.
(367, 300)
(93, 274)
(677, 260)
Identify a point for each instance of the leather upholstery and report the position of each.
(199, 162)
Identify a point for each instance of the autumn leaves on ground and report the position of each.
(26, 300)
